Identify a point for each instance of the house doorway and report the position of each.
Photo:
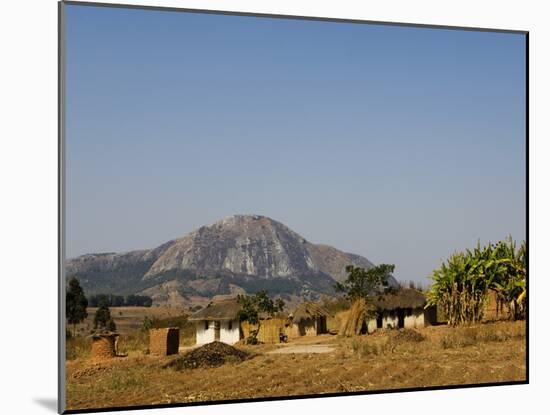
(400, 318)
(217, 331)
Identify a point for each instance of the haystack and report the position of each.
(356, 320)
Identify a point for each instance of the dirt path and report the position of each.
(306, 348)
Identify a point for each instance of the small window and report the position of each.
(230, 325)
(206, 324)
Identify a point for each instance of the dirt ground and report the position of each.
(301, 349)
(433, 356)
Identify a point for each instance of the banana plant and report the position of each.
(462, 283)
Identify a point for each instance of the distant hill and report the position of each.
(241, 253)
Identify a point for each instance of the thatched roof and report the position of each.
(309, 310)
(220, 310)
(404, 298)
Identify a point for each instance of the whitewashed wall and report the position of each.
(389, 321)
(205, 336)
(419, 318)
(227, 335)
(410, 321)
(371, 326)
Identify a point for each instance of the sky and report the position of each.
(400, 144)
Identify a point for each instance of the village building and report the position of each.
(405, 308)
(309, 319)
(402, 309)
(219, 321)
(164, 341)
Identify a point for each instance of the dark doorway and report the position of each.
(400, 318)
(364, 328)
(217, 331)
(379, 321)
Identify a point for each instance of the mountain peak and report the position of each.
(239, 253)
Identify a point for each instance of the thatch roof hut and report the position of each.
(222, 310)
(219, 321)
(309, 319)
(404, 298)
(398, 309)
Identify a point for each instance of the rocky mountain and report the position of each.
(241, 253)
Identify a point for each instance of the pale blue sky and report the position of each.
(399, 144)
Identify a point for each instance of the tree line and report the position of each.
(76, 304)
(120, 301)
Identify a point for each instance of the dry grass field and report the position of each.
(128, 319)
(433, 356)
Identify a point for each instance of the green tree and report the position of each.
(102, 315)
(364, 283)
(76, 303)
(146, 324)
(254, 305)
(111, 326)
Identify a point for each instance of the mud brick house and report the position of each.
(308, 319)
(164, 341)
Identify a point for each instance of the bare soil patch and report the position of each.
(306, 348)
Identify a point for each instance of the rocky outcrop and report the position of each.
(237, 254)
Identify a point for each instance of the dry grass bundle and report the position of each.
(356, 318)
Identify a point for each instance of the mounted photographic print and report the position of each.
(260, 207)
